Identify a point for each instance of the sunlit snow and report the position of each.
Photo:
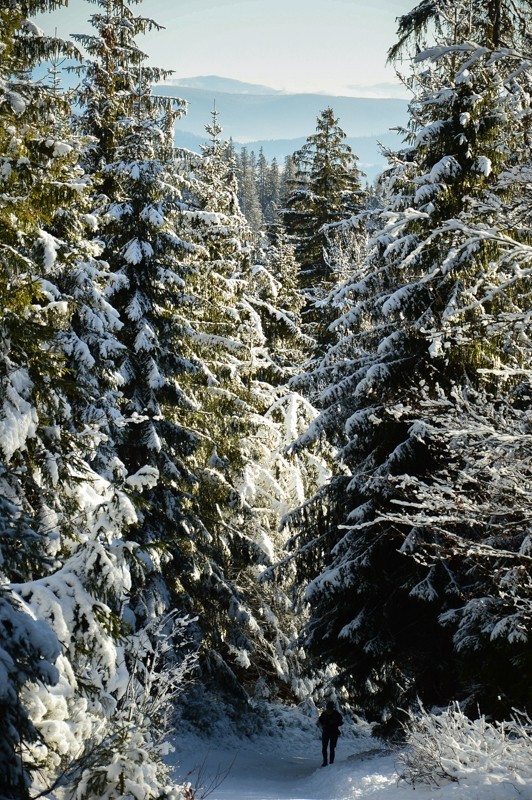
(284, 763)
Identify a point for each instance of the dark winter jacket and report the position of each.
(330, 721)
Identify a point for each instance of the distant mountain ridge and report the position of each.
(227, 85)
(280, 122)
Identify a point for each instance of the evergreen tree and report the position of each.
(68, 577)
(248, 190)
(219, 340)
(32, 406)
(324, 195)
(272, 198)
(262, 179)
(416, 535)
(275, 294)
(288, 176)
(242, 327)
(131, 159)
(71, 577)
(326, 190)
(496, 23)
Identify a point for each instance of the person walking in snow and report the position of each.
(329, 722)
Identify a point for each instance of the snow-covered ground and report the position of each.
(285, 765)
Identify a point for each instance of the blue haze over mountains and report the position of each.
(279, 122)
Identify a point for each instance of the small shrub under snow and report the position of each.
(451, 747)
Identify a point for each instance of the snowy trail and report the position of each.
(287, 768)
(278, 771)
(253, 774)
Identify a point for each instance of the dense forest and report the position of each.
(265, 431)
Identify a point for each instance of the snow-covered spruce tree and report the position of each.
(34, 454)
(248, 190)
(28, 650)
(70, 569)
(275, 295)
(497, 23)
(44, 241)
(269, 187)
(131, 158)
(287, 177)
(89, 342)
(419, 563)
(240, 326)
(276, 478)
(326, 189)
(173, 329)
(28, 647)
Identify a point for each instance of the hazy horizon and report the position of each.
(334, 47)
(390, 91)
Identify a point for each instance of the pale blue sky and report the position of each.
(296, 45)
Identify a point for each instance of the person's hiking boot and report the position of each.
(324, 763)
